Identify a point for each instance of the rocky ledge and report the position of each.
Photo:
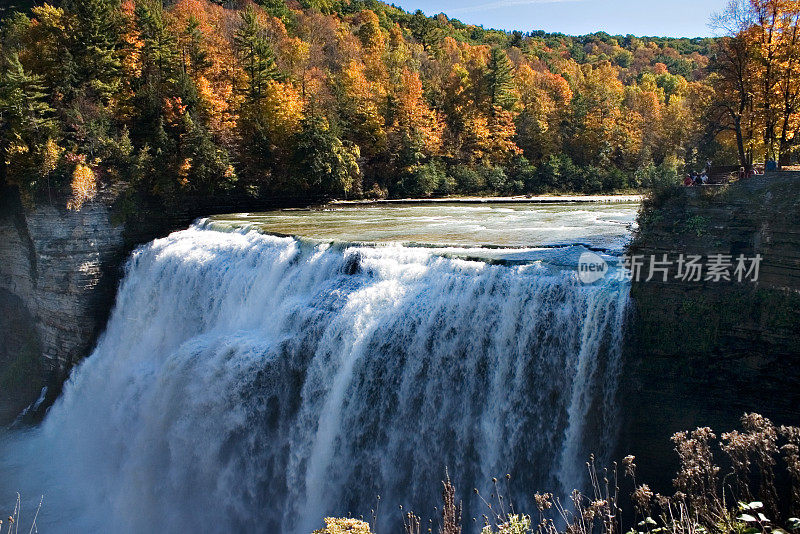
(54, 292)
(701, 353)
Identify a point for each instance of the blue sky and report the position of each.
(673, 18)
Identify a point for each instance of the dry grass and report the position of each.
(745, 499)
(12, 525)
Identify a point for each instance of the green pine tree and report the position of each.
(160, 50)
(195, 51)
(211, 169)
(326, 7)
(329, 165)
(500, 80)
(96, 42)
(161, 178)
(279, 9)
(426, 31)
(257, 56)
(26, 125)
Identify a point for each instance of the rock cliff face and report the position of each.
(58, 272)
(703, 353)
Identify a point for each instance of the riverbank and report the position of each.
(538, 199)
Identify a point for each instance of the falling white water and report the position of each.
(248, 383)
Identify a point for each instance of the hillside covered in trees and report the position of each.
(343, 98)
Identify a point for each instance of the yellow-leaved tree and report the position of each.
(334, 525)
(83, 186)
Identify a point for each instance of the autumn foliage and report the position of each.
(355, 97)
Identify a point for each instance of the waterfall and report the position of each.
(254, 383)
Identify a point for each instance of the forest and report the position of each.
(360, 99)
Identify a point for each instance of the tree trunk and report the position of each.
(737, 126)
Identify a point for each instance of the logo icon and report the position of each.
(591, 267)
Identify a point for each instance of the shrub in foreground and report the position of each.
(335, 525)
(744, 499)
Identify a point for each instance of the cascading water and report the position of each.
(254, 383)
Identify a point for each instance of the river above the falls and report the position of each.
(604, 225)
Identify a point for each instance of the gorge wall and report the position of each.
(703, 353)
(57, 278)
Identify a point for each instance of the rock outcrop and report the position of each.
(58, 273)
(703, 353)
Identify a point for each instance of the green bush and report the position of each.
(662, 181)
(524, 177)
(422, 180)
(589, 180)
(552, 173)
(614, 179)
(467, 180)
(495, 179)
(447, 185)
